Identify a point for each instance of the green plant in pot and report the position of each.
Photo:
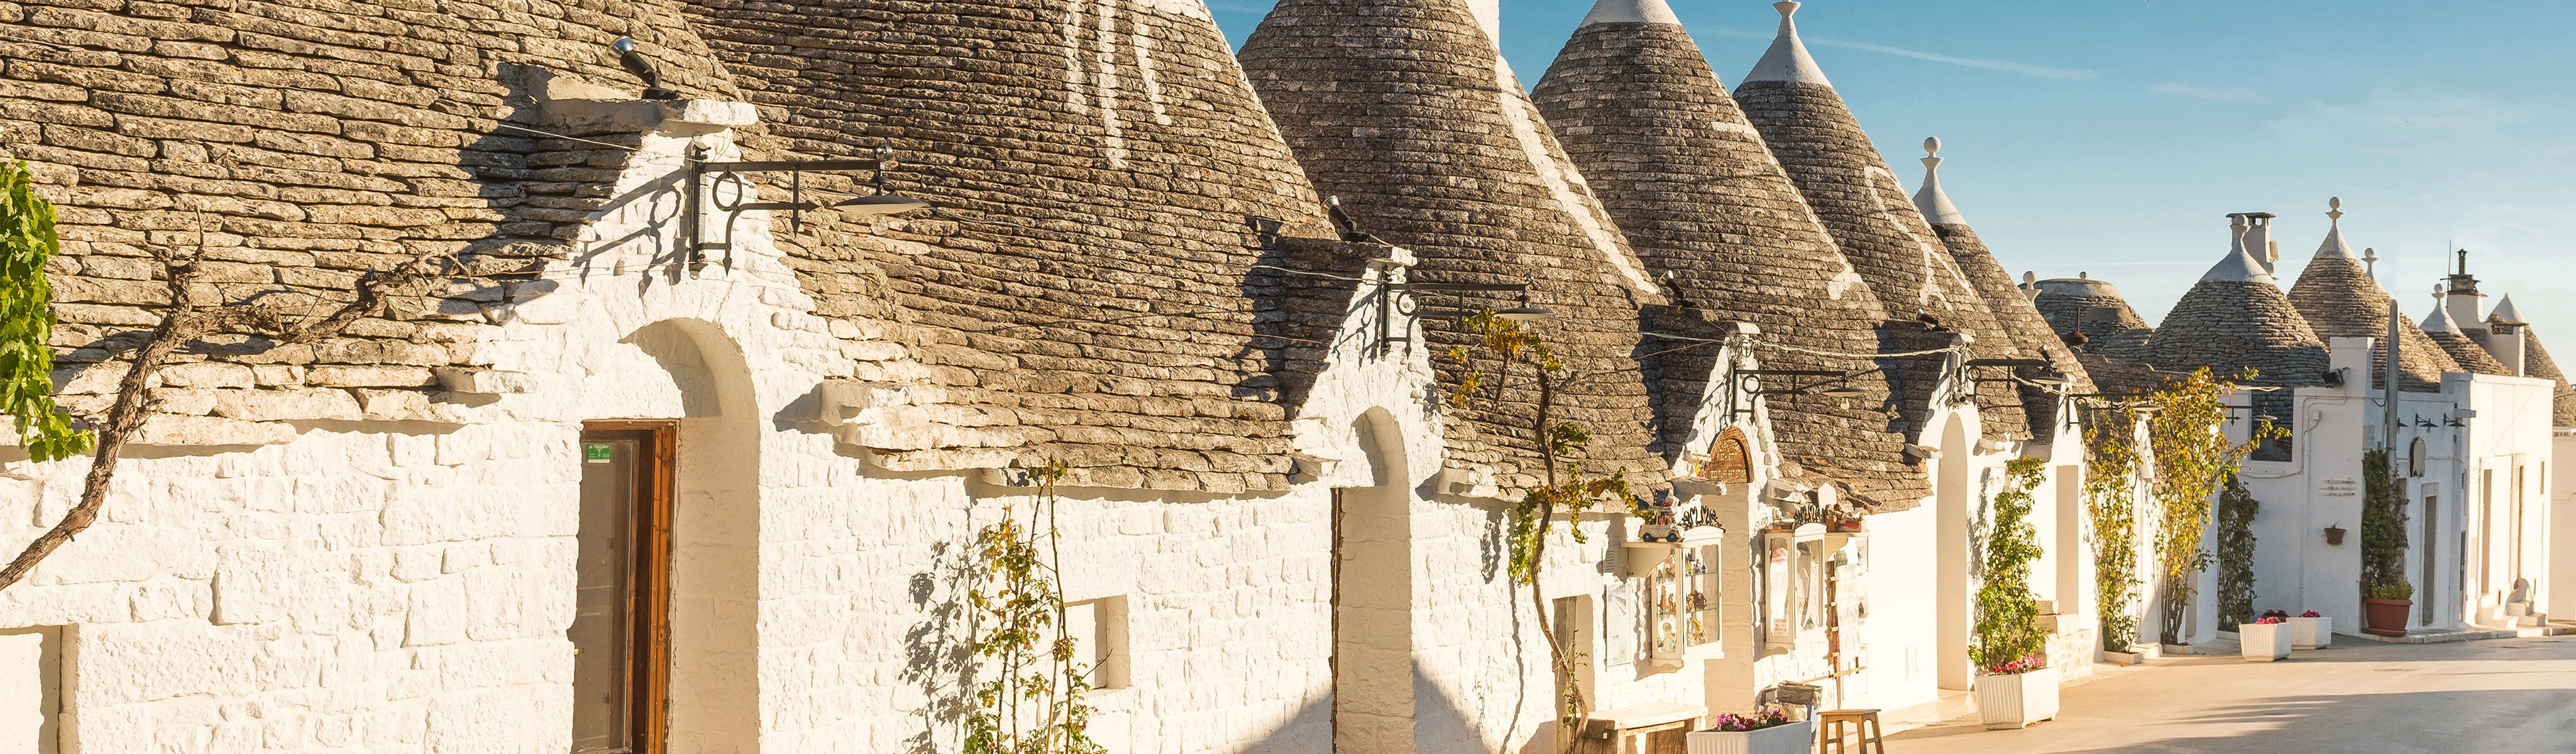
(2387, 597)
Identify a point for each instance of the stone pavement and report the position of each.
(2501, 695)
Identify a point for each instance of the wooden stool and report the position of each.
(1834, 725)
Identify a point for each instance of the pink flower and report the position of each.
(2312, 614)
(2270, 621)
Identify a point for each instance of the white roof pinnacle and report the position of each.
(1934, 202)
(2505, 311)
(1631, 12)
(2334, 247)
(1788, 59)
(2239, 266)
(2441, 320)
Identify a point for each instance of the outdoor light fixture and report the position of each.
(1406, 299)
(1831, 383)
(1525, 312)
(883, 202)
(2447, 421)
(2421, 422)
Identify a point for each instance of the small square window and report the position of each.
(31, 690)
(1099, 632)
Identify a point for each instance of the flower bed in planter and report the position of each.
(1765, 731)
(2264, 641)
(2016, 699)
(2311, 631)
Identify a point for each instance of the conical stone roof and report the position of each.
(1853, 190)
(1086, 291)
(2111, 328)
(2538, 364)
(1404, 109)
(2014, 311)
(2339, 300)
(2465, 351)
(1702, 200)
(2231, 322)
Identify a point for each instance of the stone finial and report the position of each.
(1787, 60)
(2334, 246)
(1931, 200)
(2370, 260)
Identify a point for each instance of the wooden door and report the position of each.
(621, 623)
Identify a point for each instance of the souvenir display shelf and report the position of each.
(1684, 611)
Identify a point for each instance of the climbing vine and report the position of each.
(2236, 510)
(2007, 614)
(2193, 461)
(2111, 505)
(1567, 489)
(27, 240)
(1030, 698)
(2383, 530)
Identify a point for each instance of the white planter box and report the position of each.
(2264, 642)
(2311, 633)
(1795, 738)
(2015, 701)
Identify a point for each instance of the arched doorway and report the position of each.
(1373, 599)
(1950, 509)
(669, 592)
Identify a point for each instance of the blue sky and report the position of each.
(2114, 136)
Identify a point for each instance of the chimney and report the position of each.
(2505, 340)
(2467, 305)
(2258, 241)
(1489, 13)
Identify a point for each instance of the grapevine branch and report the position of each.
(188, 319)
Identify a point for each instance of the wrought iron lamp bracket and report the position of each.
(1407, 299)
(704, 174)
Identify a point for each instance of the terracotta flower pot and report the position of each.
(2385, 617)
(2334, 535)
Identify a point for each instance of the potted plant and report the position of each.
(2384, 607)
(2017, 693)
(2016, 687)
(2334, 534)
(1767, 730)
(2264, 640)
(2387, 597)
(2311, 630)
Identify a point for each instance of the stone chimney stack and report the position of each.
(2258, 241)
(2467, 305)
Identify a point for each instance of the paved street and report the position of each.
(2507, 695)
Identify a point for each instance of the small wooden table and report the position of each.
(1646, 729)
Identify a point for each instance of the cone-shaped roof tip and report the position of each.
(2441, 320)
(2334, 245)
(2239, 266)
(1934, 202)
(1788, 59)
(1631, 12)
(2505, 311)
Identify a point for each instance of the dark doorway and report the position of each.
(621, 621)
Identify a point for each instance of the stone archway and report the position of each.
(1373, 598)
(691, 372)
(1950, 511)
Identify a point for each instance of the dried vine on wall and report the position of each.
(2111, 505)
(27, 232)
(1568, 489)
